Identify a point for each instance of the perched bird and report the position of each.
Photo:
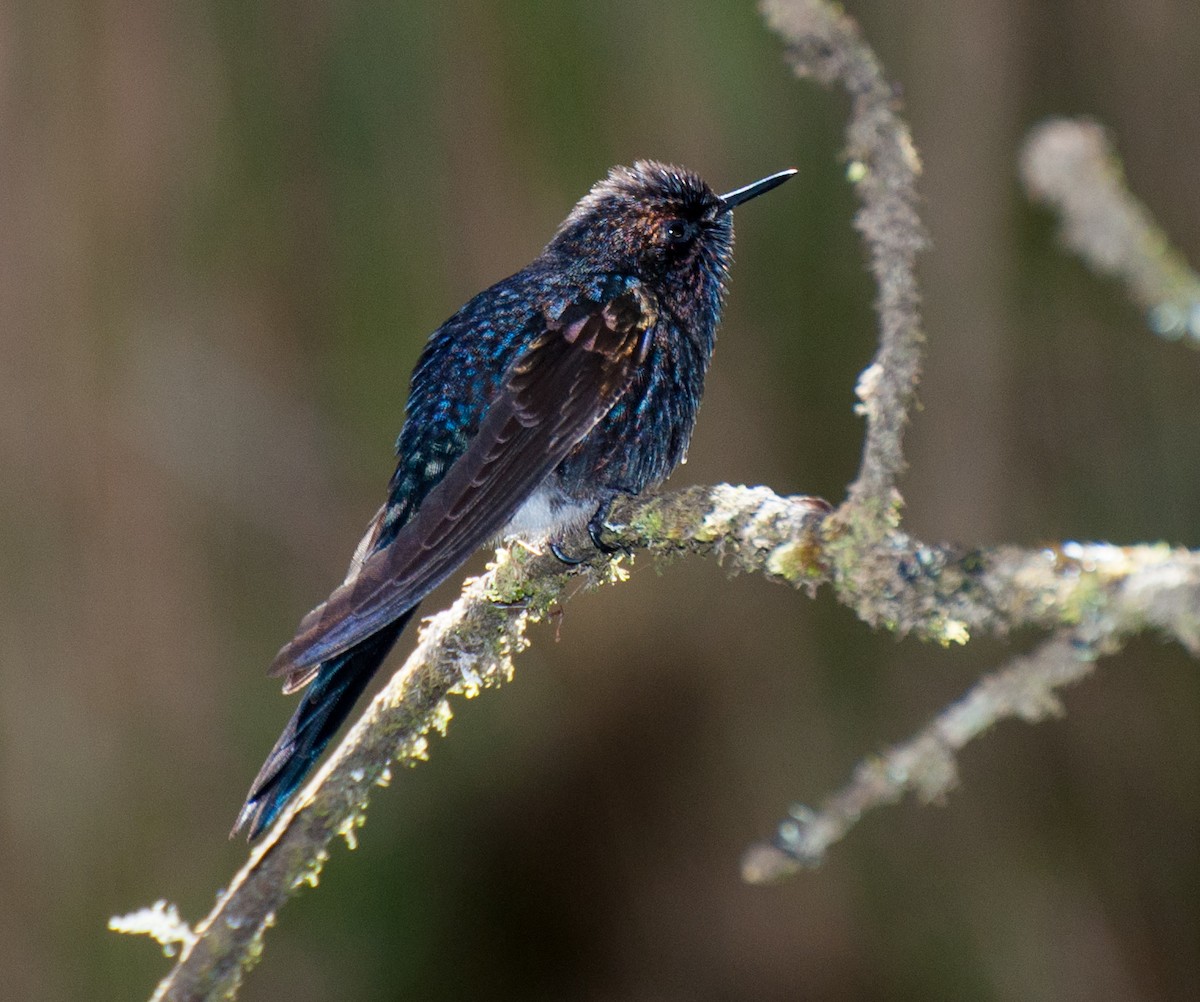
(545, 397)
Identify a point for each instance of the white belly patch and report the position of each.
(544, 515)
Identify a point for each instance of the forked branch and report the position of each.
(1089, 598)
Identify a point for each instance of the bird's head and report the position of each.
(659, 222)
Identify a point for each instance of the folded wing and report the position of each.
(552, 396)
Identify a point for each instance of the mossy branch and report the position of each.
(1090, 598)
(1100, 593)
(1070, 166)
(883, 165)
(925, 764)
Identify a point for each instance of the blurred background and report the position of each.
(226, 229)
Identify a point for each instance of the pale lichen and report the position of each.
(161, 922)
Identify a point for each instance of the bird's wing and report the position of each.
(552, 396)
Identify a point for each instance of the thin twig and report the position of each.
(824, 43)
(1070, 165)
(925, 764)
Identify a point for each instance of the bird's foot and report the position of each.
(599, 524)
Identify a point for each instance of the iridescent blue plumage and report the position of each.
(573, 381)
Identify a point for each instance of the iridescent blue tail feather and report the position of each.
(327, 702)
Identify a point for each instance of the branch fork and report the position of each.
(1088, 598)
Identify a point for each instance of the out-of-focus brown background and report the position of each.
(226, 229)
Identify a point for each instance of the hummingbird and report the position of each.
(568, 384)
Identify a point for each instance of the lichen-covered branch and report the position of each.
(1096, 594)
(466, 648)
(1101, 593)
(925, 764)
(1089, 597)
(825, 44)
(1070, 165)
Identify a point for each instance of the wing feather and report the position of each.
(554, 394)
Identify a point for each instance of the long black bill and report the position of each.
(740, 195)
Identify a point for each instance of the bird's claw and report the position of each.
(561, 556)
(598, 525)
(596, 531)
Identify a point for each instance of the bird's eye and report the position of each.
(678, 231)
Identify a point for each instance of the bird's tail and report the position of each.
(327, 702)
